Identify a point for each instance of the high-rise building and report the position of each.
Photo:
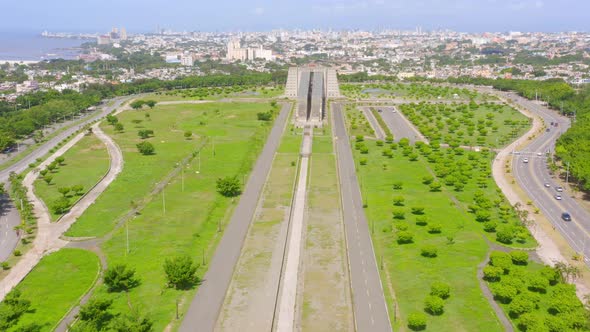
(123, 34)
(236, 52)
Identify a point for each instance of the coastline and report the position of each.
(19, 62)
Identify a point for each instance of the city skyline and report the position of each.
(231, 15)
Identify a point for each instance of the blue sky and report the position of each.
(236, 15)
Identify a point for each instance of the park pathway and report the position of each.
(48, 234)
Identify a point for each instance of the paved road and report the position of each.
(533, 175)
(9, 216)
(398, 124)
(379, 133)
(204, 309)
(370, 309)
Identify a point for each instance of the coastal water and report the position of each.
(30, 46)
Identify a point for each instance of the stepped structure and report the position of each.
(311, 86)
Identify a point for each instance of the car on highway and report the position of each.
(558, 197)
(525, 160)
(547, 130)
(547, 185)
(539, 154)
(379, 110)
(566, 216)
(393, 111)
(559, 189)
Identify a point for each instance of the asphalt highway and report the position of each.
(533, 175)
(370, 309)
(204, 309)
(9, 217)
(398, 124)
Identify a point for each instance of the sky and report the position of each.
(263, 15)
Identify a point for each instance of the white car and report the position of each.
(525, 160)
(558, 197)
(547, 185)
(394, 111)
(539, 154)
(559, 189)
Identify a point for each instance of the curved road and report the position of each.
(9, 217)
(533, 175)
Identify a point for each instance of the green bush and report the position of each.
(417, 321)
(146, 148)
(440, 289)
(492, 273)
(501, 260)
(505, 235)
(519, 257)
(399, 214)
(418, 210)
(489, 226)
(429, 251)
(434, 228)
(434, 305)
(421, 221)
(404, 237)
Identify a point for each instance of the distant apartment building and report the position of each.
(236, 52)
(114, 36)
(187, 60)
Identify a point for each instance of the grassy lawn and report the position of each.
(412, 91)
(218, 93)
(461, 243)
(192, 218)
(357, 123)
(56, 284)
(489, 125)
(85, 163)
(214, 125)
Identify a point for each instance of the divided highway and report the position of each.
(370, 309)
(534, 174)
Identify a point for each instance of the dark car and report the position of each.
(566, 216)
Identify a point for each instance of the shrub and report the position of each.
(379, 143)
(264, 116)
(504, 293)
(359, 138)
(364, 150)
(505, 235)
(492, 273)
(401, 226)
(434, 305)
(440, 289)
(180, 271)
(421, 221)
(398, 185)
(429, 251)
(538, 283)
(482, 215)
(434, 228)
(17, 253)
(399, 214)
(418, 210)
(501, 260)
(399, 200)
(229, 186)
(489, 226)
(435, 186)
(5, 265)
(120, 278)
(404, 237)
(519, 257)
(417, 321)
(60, 205)
(146, 148)
(427, 179)
(363, 161)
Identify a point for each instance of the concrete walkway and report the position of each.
(48, 234)
(285, 321)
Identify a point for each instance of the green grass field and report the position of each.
(218, 93)
(86, 162)
(357, 123)
(488, 125)
(215, 124)
(412, 91)
(192, 217)
(462, 242)
(56, 284)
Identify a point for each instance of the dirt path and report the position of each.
(48, 237)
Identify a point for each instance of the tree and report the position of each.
(78, 189)
(64, 191)
(398, 200)
(429, 251)
(146, 148)
(418, 210)
(229, 186)
(440, 289)
(492, 273)
(112, 120)
(151, 103)
(95, 314)
(417, 321)
(2, 189)
(188, 134)
(119, 127)
(60, 205)
(60, 160)
(521, 304)
(519, 257)
(48, 178)
(132, 323)
(264, 116)
(504, 293)
(398, 185)
(51, 167)
(12, 308)
(505, 235)
(434, 228)
(137, 104)
(145, 133)
(427, 179)
(180, 272)
(435, 186)
(538, 283)
(120, 278)
(434, 305)
(532, 322)
(501, 260)
(404, 237)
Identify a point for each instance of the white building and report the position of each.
(187, 60)
(236, 52)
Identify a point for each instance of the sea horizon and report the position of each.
(29, 46)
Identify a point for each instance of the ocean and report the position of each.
(30, 46)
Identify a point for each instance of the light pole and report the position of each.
(164, 199)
